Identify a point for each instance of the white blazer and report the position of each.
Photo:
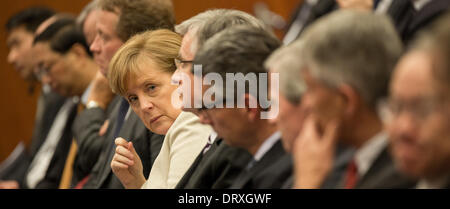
(184, 140)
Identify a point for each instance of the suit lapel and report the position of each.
(244, 180)
(383, 174)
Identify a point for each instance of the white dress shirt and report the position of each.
(438, 183)
(419, 4)
(264, 148)
(211, 139)
(383, 6)
(299, 22)
(41, 161)
(368, 153)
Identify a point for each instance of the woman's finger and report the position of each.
(124, 152)
(122, 159)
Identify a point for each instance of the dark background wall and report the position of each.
(18, 106)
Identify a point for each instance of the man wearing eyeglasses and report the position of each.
(218, 164)
(341, 100)
(418, 117)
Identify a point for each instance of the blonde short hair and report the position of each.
(160, 46)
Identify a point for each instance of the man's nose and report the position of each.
(95, 47)
(403, 125)
(12, 56)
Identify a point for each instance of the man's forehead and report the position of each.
(413, 77)
(18, 33)
(107, 20)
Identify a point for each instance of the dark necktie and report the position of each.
(123, 109)
(403, 13)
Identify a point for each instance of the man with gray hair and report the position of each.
(87, 19)
(347, 66)
(218, 165)
(285, 62)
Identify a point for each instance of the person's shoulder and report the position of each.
(189, 122)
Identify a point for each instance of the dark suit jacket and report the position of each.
(50, 103)
(289, 183)
(146, 143)
(271, 172)
(216, 169)
(85, 129)
(54, 172)
(408, 26)
(383, 174)
(321, 8)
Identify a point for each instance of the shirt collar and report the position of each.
(366, 155)
(312, 2)
(212, 137)
(383, 6)
(437, 183)
(266, 145)
(85, 95)
(419, 4)
(46, 88)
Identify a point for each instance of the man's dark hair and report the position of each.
(239, 49)
(62, 35)
(30, 18)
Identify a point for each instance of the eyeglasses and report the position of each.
(42, 69)
(418, 109)
(179, 63)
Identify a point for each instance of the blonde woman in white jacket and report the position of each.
(141, 72)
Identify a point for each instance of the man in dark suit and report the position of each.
(57, 42)
(311, 10)
(141, 15)
(285, 62)
(418, 114)
(341, 99)
(246, 127)
(215, 168)
(220, 163)
(305, 14)
(414, 16)
(21, 28)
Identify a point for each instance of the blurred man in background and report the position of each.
(21, 29)
(418, 115)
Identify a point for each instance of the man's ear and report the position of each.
(352, 100)
(252, 108)
(78, 50)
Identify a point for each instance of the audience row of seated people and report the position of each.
(355, 97)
